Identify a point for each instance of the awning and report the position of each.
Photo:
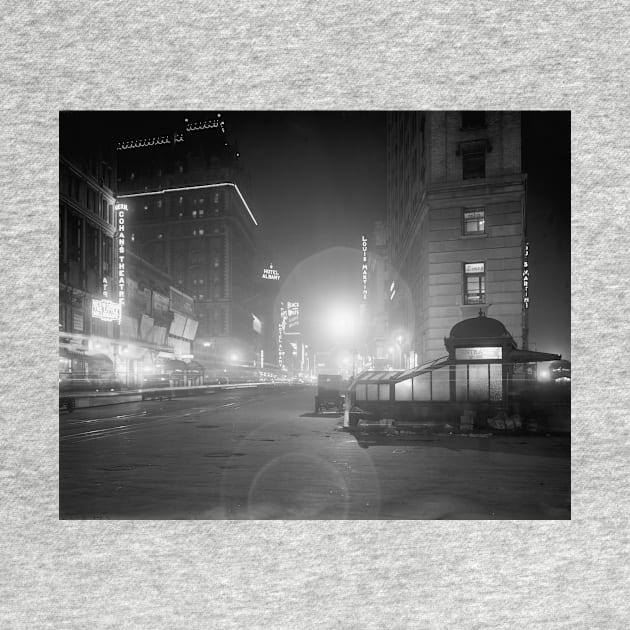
(530, 356)
(173, 365)
(71, 354)
(195, 367)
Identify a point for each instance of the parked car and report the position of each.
(155, 380)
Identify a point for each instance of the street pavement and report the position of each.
(264, 454)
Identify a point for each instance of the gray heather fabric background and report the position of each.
(318, 574)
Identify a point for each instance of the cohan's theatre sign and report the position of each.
(121, 208)
(270, 273)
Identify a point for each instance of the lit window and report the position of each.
(159, 203)
(217, 197)
(201, 200)
(160, 236)
(200, 231)
(133, 236)
(201, 212)
(181, 200)
(195, 232)
(474, 220)
(474, 283)
(194, 213)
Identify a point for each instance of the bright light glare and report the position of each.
(233, 356)
(341, 322)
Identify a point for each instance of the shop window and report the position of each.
(474, 283)
(474, 221)
(473, 162)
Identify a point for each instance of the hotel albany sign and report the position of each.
(270, 273)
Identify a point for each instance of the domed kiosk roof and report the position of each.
(479, 331)
(479, 327)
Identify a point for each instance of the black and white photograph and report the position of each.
(315, 315)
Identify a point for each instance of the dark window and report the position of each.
(474, 220)
(473, 162)
(107, 256)
(474, 283)
(473, 120)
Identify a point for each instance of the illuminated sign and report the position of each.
(121, 208)
(364, 266)
(526, 276)
(270, 273)
(474, 267)
(292, 315)
(280, 350)
(478, 354)
(177, 137)
(105, 287)
(256, 324)
(106, 310)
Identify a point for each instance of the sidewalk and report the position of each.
(79, 400)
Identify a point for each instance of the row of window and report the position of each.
(86, 196)
(195, 232)
(216, 199)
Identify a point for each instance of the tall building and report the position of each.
(455, 225)
(188, 216)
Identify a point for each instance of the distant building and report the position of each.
(202, 234)
(455, 226)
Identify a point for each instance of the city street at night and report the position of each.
(262, 452)
(274, 269)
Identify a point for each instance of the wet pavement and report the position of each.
(264, 454)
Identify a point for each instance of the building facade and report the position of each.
(120, 318)
(87, 275)
(188, 217)
(455, 226)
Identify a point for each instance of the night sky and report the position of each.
(318, 182)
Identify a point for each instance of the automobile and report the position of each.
(108, 385)
(329, 396)
(77, 384)
(155, 380)
(222, 380)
